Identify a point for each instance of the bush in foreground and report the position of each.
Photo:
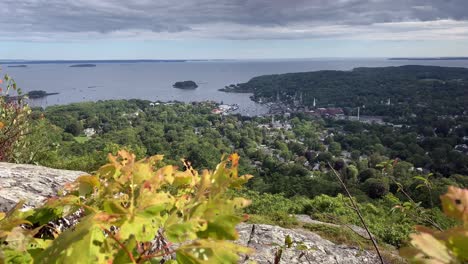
(131, 212)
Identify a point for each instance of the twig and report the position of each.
(130, 255)
(426, 219)
(358, 213)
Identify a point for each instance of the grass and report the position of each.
(81, 139)
(278, 219)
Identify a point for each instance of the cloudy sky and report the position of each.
(198, 29)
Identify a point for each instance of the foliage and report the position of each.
(275, 218)
(376, 188)
(389, 226)
(448, 246)
(14, 116)
(130, 208)
(266, 203)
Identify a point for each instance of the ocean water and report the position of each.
(153, 81)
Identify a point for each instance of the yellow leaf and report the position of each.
(167, 174)
(141, 172)
(431, 247)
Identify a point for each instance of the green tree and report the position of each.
(335, 148)
(75, 128)
(376, 188)
(367, 174)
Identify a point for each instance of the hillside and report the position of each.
(440, 89)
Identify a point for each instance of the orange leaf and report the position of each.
(235, 159)
(455, 203)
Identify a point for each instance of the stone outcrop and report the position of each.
(34, 184)
(266, 240)
(30, 183)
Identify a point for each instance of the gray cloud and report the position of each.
(230, 19)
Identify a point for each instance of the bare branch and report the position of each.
(356, 208)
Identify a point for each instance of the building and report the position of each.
(327, 112)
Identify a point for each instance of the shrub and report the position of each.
(132, 213)
(366, 174)
(376, 188)
(14, 117)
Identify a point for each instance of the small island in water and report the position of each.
(83, 65)
(185, 85)
(39, 94)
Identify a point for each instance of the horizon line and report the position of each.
(13, 61)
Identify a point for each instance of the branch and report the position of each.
(356, 208)
(130, 255)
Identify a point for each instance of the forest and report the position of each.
(411, 89)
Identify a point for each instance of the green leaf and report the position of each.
(141, 227)
(113, 207)
(222, 227)
(153, 203)
(44, 215)
(211, 252)
(122, 257)
(87, 184)
(180, 232)
(11, 256)
(80, 245)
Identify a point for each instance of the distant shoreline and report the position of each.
(83, 66)
(426, 59)
(25, 62)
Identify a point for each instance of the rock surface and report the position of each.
(34, 184)
(30, 183)
(266, 240)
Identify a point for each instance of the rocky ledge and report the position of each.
(34, 184)
(30, 183)
(307, 247)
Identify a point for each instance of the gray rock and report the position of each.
(31, 183)
(266, 240)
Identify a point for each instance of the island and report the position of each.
(185, 85)
(83, 65)
(18, 66)
(39, 94)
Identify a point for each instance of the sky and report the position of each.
(231, 29)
